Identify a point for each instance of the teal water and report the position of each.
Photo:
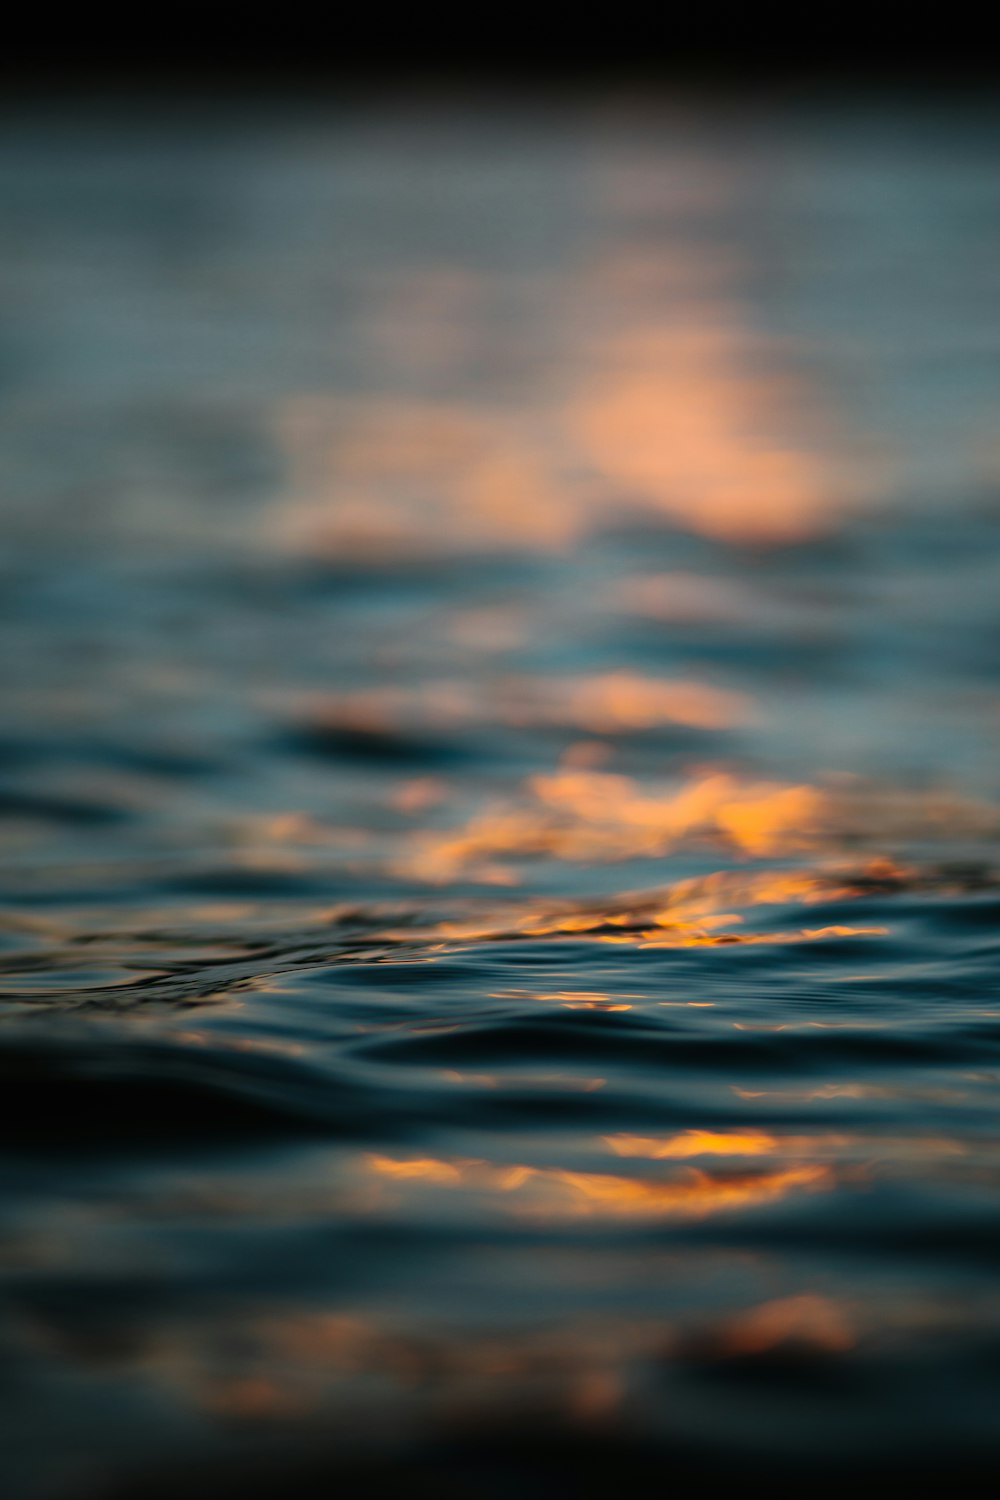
(499, 799)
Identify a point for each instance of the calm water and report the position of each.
(500, 807)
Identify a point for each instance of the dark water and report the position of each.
(498, 943)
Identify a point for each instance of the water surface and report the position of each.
(499, 799)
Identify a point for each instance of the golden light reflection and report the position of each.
(749, 1142)
(580, 814)
(694, 1143)
(809, 1321)
(573, 999)
(688, 419)
(698, 1195)
(706, 910)
(688, 936)
(424, 1168)
(586, 815)
(621, 701)
(756, 817)
(557, 1193)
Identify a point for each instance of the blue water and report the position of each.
(499, 798)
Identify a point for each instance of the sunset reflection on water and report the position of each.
(693, 421)
(499, 800)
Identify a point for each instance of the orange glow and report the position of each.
(583, 1000)
(687, 423)
(693, 421)
(585, 815)
(556, 1193)
(621, 701)
(769, 823)
(699, 898)
(692, 937)
(692, 913)
(809, 1320)
(694, 1143)
(759, 1143)
(590, 816)
(425, 1168)
(756, 817)
(696, 1195)
(840, 931)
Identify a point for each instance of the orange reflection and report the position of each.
(621, 701)
(690, 910)
(809, 1321)
(674, 409)
(760, 1143)
(686, 935)
(696, 1195)
(425, 1168)
(692, 913)
(754, 816)
(586, 815)
(557, 1193)
(698, 423)
(695, 1143)
(575, 999)
(580, 814)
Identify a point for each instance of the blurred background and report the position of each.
(499, 798)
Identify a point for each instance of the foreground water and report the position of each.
(498, 942)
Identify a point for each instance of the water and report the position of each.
(498, 935)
